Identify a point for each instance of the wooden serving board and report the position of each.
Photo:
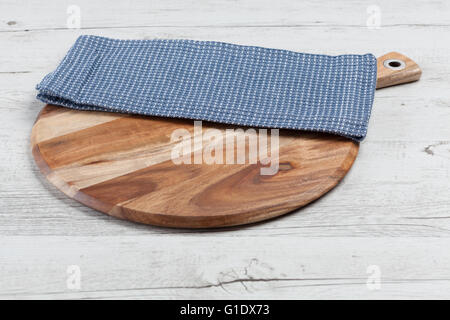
(122, 165)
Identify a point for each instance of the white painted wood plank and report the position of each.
(192, 267)
(34, 15)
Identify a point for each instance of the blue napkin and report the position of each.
(215, 81)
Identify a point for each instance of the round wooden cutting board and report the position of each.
(123, 165)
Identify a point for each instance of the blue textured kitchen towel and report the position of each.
(215, 81)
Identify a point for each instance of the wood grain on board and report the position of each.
(122, 165)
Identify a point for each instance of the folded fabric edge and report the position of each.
(362, 129)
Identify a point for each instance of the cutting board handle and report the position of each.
(394, 68)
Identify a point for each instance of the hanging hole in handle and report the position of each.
(394, 64)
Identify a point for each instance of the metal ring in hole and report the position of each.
(394, 64)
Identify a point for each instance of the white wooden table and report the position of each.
(388, 220)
